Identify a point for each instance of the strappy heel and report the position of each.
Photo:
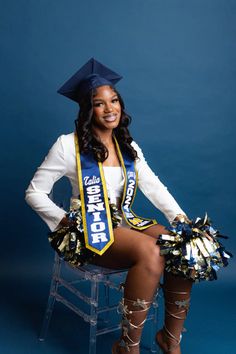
(130, 310)
(168, 335)
(182, 307)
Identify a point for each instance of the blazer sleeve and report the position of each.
(50, 171)
(154, 189)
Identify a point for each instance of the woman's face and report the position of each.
(106, 108)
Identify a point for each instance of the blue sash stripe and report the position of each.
(98, 231)
(129, 193)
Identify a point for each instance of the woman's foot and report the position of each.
(167, 345)
(117, 349)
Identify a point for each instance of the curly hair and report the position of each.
(88, 141)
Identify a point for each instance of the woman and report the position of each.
(102, 139)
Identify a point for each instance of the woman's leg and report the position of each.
(177, 296)
(138, 252)
(177, 292)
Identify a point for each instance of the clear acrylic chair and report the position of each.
(96, 292)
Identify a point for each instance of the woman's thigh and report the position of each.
(130, 246)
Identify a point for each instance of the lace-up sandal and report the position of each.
(182, 307)
(128, 309)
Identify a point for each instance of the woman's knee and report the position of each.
(150, 259)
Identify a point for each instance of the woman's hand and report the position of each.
(67, 222)
(182, 218)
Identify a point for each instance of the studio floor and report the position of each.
(210, 325)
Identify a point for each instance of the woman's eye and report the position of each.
(97, 104)
(115, 100)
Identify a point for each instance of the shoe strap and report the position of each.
(180, 314)
(170, 335)
(124, 308)
(183, 305)
(174, 292)
(126, 346)
(127, 325)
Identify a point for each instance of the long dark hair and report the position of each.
(88, 141)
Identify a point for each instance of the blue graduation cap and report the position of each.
(91, 75)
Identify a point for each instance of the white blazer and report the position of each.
(61, 161)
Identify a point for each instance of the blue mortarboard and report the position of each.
(93, 74)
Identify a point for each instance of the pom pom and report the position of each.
(68, 241)
(192, 249)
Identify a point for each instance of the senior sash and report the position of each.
(96, 216)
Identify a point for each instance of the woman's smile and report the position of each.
(110, 117)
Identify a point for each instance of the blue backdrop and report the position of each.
(178, 62)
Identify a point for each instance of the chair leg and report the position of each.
(51, 298)
(153, 348)
(93, 316)
(106, 298)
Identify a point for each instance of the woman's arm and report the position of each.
(50, 171)
(154, 189)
